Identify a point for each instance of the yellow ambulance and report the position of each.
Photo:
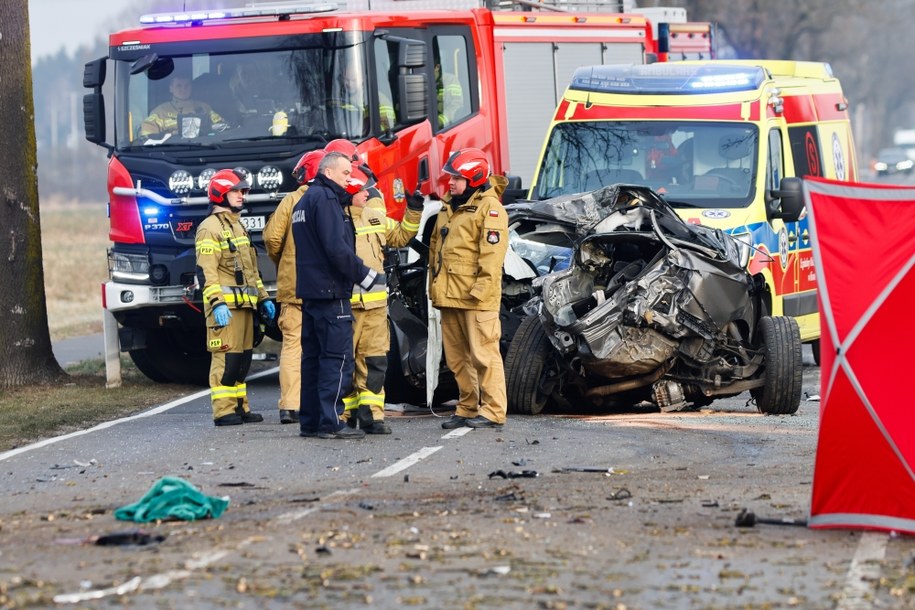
(725, 142)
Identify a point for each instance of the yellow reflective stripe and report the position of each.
(241, 241)
(241, 390)
(350, 402)
(374, 297)
(222, 391)
(409, 226)
(371, 399)
(211, 291)
(370, 229)
(207, 242)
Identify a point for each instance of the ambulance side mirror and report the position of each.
(791, 199)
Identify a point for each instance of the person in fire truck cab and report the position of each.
(374, 232)
(182, 116)
(354, 99)
(232, 290)
(281, 249)
(466, 252)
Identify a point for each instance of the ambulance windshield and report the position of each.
(699, 164)
(314, 89)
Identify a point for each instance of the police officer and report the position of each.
(466, 252)
(326, 269)
(232, 289)
(374, 231)
(281, 248)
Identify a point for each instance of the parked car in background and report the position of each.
(893, 161)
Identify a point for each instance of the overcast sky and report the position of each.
(69, 23)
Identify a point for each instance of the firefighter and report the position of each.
(374, 231)
(280, 247)
(232, 290)
(466, 252)
(196, 118)
(326, 270)
(354, 102)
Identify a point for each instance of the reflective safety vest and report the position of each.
(227, 263)
(375, 231)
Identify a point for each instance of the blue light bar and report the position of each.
(261, 10)
(668, 79)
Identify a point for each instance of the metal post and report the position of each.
(112, 350)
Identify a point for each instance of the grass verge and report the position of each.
(81, 401)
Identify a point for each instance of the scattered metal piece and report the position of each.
(366, 506)
(710, 503)
(511, 474)
(584, 469)
(620, 494)
(746, 518)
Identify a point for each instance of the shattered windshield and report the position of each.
(315, 89)
(693, 164)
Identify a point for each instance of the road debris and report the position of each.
(746, 518)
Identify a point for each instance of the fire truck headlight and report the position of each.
(269, 178)
(245, 173)
(203, 180)
(180, 182)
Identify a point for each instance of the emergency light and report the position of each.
(667, 78)
(275, 9)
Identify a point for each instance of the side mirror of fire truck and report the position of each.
(790, 196)
(94, 103)
(412, 82)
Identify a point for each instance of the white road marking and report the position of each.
(299, 514)
(406, 462)
(458, 432)
(108, 424)
(864, 570)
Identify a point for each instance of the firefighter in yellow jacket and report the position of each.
(232, 289)
(371, 339)
(281, 248)
(466, 253)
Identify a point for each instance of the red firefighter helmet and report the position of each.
(343, 146)
(469, 163)
(359, 179)
(307, 167)
(223, 181)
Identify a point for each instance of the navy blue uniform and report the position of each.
(326, 269)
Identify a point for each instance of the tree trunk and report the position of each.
(26, 342)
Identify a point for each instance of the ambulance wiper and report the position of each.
(680, 204)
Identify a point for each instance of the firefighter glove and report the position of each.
(268, 310)
(222, 315)
(416, 201)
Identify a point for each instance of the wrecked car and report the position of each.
(646, 308)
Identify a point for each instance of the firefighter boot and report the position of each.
(247, 416)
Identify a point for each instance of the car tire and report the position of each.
(781, 392)
(528, 370)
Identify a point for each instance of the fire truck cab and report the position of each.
(725, 142)
(254, 88)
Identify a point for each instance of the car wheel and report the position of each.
(529, 368)
(781, 392)
(174, 356)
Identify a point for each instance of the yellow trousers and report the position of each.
(290, 323)
(371, 342)
(470, 339)
(230, 346)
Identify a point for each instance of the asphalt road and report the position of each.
(631, 510)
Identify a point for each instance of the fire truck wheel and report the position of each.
(174, 356)
(529, 371)
(781, 392)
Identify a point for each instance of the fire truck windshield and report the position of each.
(218, 100)
(699, 164)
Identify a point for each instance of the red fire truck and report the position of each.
(266, 83)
